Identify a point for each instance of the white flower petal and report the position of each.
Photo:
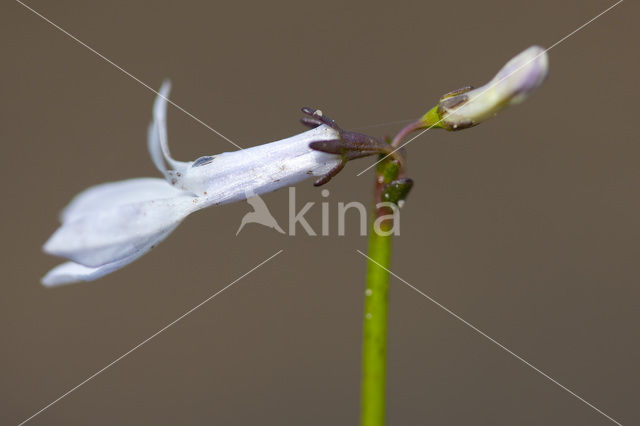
(157, 141)
(116, 232)
(71, 272)
(229, 176)
(113, 194)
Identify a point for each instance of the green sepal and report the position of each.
(432, 119)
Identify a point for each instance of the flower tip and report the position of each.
(59, 276)
(160, 103)
(56, 244)
(71, 273)
(49, 247)
(166, 86)
(52, 280)
(523, 74)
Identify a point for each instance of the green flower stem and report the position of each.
(374, 338)
(374, 349)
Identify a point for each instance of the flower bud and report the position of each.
(513, 84)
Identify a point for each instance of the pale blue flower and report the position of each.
(109, 226)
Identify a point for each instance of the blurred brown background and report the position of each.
(527, 226)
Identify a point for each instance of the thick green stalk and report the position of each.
(374, 349)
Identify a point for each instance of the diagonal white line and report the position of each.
(495, 83)
(128, 73)
(150, 337)
(494, 341)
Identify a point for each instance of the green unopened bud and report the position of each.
(396, 192)
(465, 107)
